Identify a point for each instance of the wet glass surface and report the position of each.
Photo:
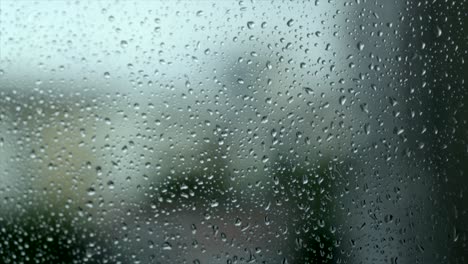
(233, 132)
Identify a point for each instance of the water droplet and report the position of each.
(238, 222)
(360, 46)
(342, 100)
(91, 191)
(364, 108)
(438, 31)
(308, 90)
(123, 44)
(367, 128)
(167, 246)
(110, 184)
(305, 179)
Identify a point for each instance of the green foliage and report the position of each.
(45, 237)
(304, 192)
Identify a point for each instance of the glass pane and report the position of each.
(233, 132)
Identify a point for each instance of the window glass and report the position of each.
(318, 131)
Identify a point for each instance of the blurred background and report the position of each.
(233, 132)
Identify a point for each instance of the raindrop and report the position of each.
(110, 184)
(438, 31)
(123, 44)
(360, 46)
(367, 128)
(91, 191)
(342, 100)
(308, 90)
(166, 246)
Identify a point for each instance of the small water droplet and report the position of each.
(367, 128)
(110, 184)
(439, 31)
(308, 90)
(305, 179)
(342, 100)
(360, 46)
(123, 44)
(91, 191)
(166, 246)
